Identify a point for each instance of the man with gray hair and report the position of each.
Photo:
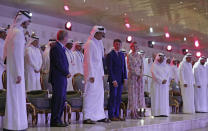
(59, 72)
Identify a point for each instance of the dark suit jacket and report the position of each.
(116, 67)
(59, 67)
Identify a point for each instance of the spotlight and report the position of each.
(198, 54)
(169, 48)
(127, 25)
(196, 43)
(151, 44)
(66, 8)
(30, 14)
(129, 39)
(167, 35)
(185, 51)
(68, 25)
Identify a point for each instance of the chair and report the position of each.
(38, 102)
(124, 103)
(147, 99)
(74, 98)
(4, 79)
(2, 102)
(175, 97)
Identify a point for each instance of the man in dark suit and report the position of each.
(59, 72)
(117, 77)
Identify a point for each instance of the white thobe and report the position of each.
(78, 60)
(15, 113)
(175, 73)
(200, 94)
(70, 58)
(2, 66)
(45, 69)
(159, 91)
(187, 77)
(33, 61)
(147, 80)
(93, 106)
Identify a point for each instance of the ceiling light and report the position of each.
(169, 48)
(68, 25)
(196, 43)
(167, 35)
(184, 38)
(30, 14)
(66, 8)
(198, 54)
(185, 51)
(129, 39)
(127, 25)
(151, 29)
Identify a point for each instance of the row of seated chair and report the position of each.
(39, 101)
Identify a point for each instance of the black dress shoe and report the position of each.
(106, 120)
(163, 116)
(88, 121)
(58, 125)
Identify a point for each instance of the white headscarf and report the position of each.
(158, 57)
(96, 29)
(184, 58)
(77, 43)
(31, 39)
(21, 17)
(198, 62)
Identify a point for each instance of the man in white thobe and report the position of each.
(15, 112)
(78, 57)
(147, 71)
(2, 65)
(93, 106)
(33, 63)
(174, 71)
(168, 62)
(70, 58)
(160, 89)
(187, 82)
(46, 66)
(200, 90)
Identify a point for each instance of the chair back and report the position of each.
(4, 79)
(39, 98)
(37, 94)
(78, 82)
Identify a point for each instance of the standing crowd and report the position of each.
(27, 65)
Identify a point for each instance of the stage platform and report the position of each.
(175, 122)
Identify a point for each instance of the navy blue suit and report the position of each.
(117, 72)
(59, 69)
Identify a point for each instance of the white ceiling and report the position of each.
(181, 18)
